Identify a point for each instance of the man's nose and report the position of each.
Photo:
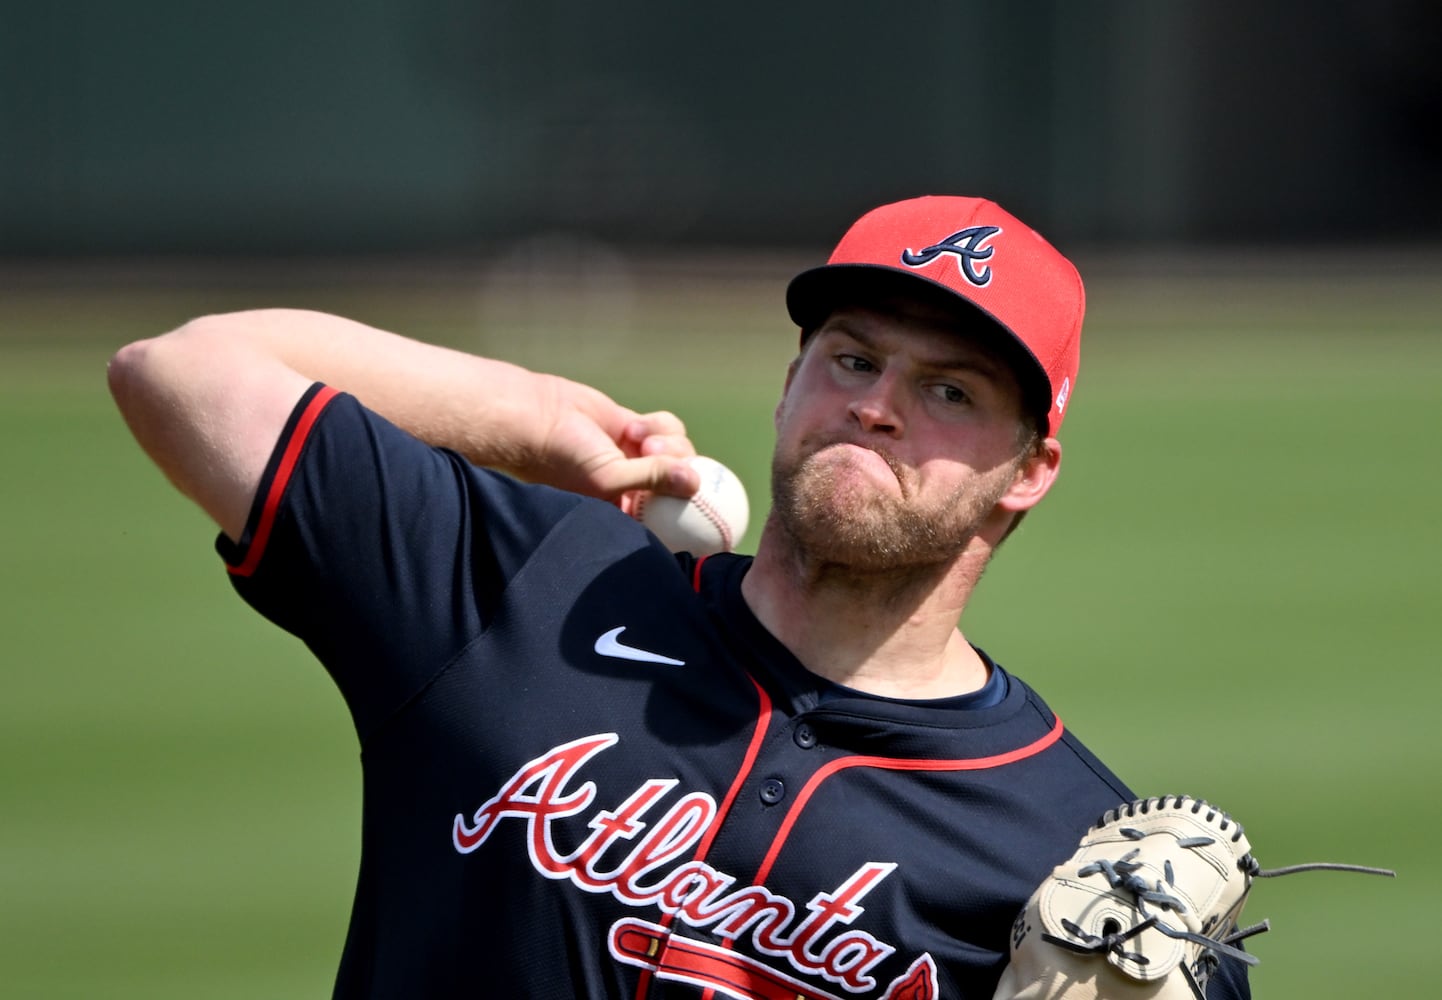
(878, 410)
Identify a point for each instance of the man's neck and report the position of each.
(893, 634)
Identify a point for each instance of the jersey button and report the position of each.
(805, 736)
(772, 791)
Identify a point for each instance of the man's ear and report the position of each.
(1034, 477)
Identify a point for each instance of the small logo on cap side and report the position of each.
(967, 244)
(1061, 396)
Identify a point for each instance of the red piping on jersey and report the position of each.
(278, 483)
(894, 764)
(763, 716)
(758, 736)
(753, 750)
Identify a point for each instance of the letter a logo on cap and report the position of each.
(967, 245)
(1004, 268)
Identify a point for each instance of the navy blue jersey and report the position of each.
(589, 771)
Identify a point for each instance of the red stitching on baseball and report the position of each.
(712, 515)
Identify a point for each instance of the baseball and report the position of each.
(711, 521)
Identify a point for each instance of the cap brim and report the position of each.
(814, 294)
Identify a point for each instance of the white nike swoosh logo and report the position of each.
(610, 644)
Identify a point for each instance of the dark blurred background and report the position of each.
(443, 126)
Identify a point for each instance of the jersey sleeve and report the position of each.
(384, 555)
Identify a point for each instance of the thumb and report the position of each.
(666, 474)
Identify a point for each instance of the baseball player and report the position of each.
(595, 768)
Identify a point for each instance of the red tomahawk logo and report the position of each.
(709, 966)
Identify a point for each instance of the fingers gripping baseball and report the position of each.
(591, 444)
(664, 473)
(658, 433)
(649, 454)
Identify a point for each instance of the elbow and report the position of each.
(125, 373)
(146, 362)
(141, 373)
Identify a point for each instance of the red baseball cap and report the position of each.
(974, 250)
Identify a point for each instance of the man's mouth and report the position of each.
(865, 457)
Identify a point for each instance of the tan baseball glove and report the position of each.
(1146, 908)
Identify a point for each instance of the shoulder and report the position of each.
(1093, 777)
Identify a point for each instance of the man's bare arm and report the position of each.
(208, 402)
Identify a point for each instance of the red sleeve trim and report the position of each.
(895, 764)
(294, 444)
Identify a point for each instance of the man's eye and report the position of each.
(951, 393)
(854, 364)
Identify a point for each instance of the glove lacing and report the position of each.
(1121, 875)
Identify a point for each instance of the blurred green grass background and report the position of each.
(1233, 592)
